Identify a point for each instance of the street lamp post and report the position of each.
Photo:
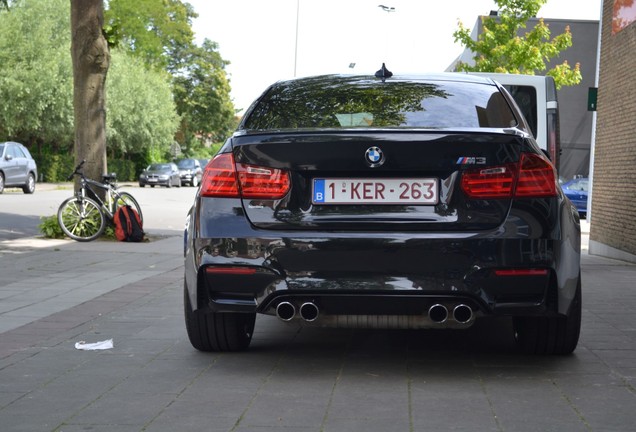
(388, 10)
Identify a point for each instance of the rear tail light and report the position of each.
(219, 179)
(225, 179)
(497, 182)
(261, 182)
(536, 177)
(532, 176)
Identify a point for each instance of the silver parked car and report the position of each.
(190, 171)
(162, 174)
(17, 167)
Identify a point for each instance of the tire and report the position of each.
(81, 219)
(142, 185)
(29, 187)
(195, 181)
(169, 184)
(217, 332)
(550, 335)
(1, 182)
(127, 199)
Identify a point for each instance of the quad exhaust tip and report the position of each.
(438, 313)
(285, 311)
(462, 313)
(309, 311)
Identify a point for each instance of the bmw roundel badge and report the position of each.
(374, 157)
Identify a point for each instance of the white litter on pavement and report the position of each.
(82, 345)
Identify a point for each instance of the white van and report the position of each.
(537, 98)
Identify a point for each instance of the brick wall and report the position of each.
(614, 191)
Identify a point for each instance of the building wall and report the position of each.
(575, 120)
(613, 221)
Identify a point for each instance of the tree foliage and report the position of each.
(202, 95)
(154, 62)
(157, 31)
(35, 72)
(36, 76)
(500, 48)
(146, 122)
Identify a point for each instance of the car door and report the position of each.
(11, 170)
(21, 164)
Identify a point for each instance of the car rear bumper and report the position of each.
(159, 182)
(384, 277)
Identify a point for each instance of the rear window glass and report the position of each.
(186, 163)
(345, 102)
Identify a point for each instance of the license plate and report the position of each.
(423, 191)
(152, 180)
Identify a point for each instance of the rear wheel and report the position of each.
(1, 182)
(29, 186)
(81, 219)
(550, 335)
(213, 331)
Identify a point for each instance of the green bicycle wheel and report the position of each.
(81, 219)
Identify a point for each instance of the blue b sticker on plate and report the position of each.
(319, 191)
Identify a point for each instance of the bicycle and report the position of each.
(83, 216)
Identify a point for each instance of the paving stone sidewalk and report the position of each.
(291, 379)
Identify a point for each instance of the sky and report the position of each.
(269, 40)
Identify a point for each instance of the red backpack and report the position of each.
(128, 226)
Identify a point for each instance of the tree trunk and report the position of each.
(91, 58)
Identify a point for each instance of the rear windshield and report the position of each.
(186, 163)
(349, 102)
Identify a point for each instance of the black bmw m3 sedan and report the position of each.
(397, 202)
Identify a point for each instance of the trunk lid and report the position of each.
(408, 159)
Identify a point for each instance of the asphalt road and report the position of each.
(164, 209)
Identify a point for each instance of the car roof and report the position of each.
(416, 77)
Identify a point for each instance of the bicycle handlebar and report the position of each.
(77, 170)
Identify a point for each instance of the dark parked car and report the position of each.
(162, 174)
(190, 172)
(17, 167)
(393, 202)
(576, 190)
